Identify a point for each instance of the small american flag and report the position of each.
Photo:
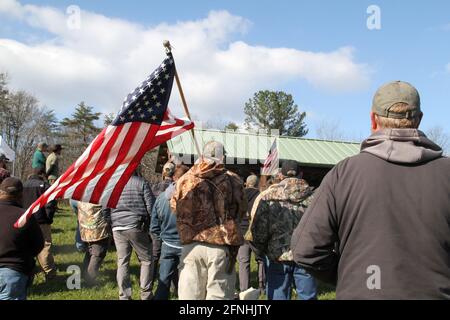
(271, 163)
(102, 171)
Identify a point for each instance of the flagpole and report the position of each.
(168, 47)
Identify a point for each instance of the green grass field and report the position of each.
(66, 255)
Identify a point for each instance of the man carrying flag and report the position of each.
(102, 171)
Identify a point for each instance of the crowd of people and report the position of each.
(377, 228)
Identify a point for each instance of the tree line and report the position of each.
(24, 122)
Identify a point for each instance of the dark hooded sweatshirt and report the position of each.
(379, 225)
(252, 194)
(18, 247)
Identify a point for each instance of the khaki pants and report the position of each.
(45, 257)
(203, 273)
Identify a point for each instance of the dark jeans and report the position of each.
(13, 285)
(168, 271)
(156, 253)
(244, 256)
(282, 276)
(93, 258)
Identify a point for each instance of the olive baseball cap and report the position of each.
(395, 92)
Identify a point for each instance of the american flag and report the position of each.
(102, 171)
(271, 162)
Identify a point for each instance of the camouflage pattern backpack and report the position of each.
(209, 202)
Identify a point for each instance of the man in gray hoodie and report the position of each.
(379, 226)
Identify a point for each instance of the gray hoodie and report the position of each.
(407, 146)
(379, 226)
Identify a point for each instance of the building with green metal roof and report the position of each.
(246, 151)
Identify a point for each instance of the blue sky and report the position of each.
(412, 45)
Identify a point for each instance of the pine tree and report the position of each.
(81, 125)
(275, 110)
(232, 126)
(78, 131)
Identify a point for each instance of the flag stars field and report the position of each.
(105, 184)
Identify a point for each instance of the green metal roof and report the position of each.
(243, 145)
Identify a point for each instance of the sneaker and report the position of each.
(249, 294)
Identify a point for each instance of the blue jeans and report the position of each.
(13, 285)
(168, 265)
(281, 277)
(80, 244)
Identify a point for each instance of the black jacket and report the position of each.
(18, 247)
(382, 215)
(251, 194)
(33, 188)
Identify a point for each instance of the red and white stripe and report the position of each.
(272, 162)
(102, 171)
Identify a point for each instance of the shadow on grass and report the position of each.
(64, 249)
(57, 230)
(106, 280)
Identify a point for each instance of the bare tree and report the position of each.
(23, 123)
(3, 88)
(330, 130)
(438, 135)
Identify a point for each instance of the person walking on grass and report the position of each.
(158, 188)
(164, 227)
(52, 162)
(277, 212)
(95, 231)
(39, 159)
(379, 226)
(209, 202)
(130, 224)
(244, 254)
(33, 188)
(18, 247)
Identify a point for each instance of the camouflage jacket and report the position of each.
(94, 222)
(209, 202)
(276, 213)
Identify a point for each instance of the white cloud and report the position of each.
(107, 57)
